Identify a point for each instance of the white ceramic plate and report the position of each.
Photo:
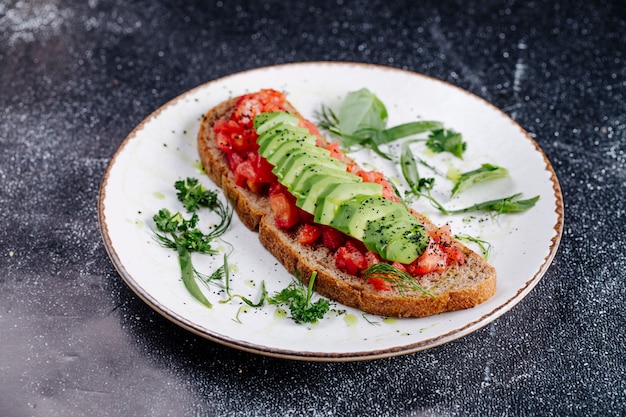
(162, 149)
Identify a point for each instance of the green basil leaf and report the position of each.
(360, 110)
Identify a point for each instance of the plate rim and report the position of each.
(327, 356)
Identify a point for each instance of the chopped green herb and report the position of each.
(361, 122)
(193, 195)
(298, 297)
(180, 233)
(189, 277)
(447, 140)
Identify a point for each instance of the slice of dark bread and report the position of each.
(459, 287)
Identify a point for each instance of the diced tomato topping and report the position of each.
(350, 259)
(434, 259)
(234, 159)
(333, 239)
(379, 178)
(233, 137)
(251, 169)
(372, 258)
(379, 283)
(399, 266)
(455, 254)
(243, 172)
(262, 169)
(283, 207)
(443, 236)
(306, 218)
(249, 105)
(309, 234)
(335, 151)
(311, 127)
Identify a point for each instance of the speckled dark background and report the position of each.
(77, 76)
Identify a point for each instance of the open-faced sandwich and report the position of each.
(317, 211)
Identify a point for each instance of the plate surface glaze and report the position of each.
(162, 149)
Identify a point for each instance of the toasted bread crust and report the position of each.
(459, 287)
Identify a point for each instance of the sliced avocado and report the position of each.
(403, 240)
(264, 121)
(330, 199)
(318, 183)
(346, 211)
(313, 173)
(285, 163)
(407, 248)
(296, 146)
(273, 138)
(288, 169)
(354, 215)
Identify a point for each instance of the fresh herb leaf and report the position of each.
(193, 195)
(364, 137)
(361, 110)
(507, 205)
(446, 140)
(168, 222)
(328, 121)
(181, 234)
(400, 280)
(215, 278)
(298, 297)
(486, 172)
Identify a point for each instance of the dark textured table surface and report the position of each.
(77, 76)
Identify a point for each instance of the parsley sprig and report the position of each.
(298, 298)
(180, 232)
(175, 231)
